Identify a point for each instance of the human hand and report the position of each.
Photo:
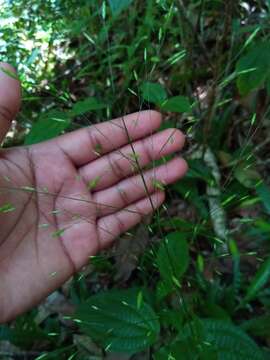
(63, 200)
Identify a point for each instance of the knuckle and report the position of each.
(147, 150)
(115, 166)
(123, 197)
(94, 140)
(121, 228)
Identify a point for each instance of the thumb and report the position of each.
(10, 97)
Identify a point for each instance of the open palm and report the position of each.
(65, 199)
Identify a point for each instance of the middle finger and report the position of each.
(111, 168)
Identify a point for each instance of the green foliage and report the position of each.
(24, 332)
(156, 93)
(82, 62)
(227, 340)
(247, 176)
(253, 68)
(173, 259)
(178, 104)
(212, 339)
(119, 5)
(153, 92)
(118, 321)
(86, 105)
(237, 276)
(48, 126)
(260, 279)
(180, 350)
(54, 122)
(259, 326)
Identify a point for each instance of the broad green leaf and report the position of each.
(47, 127)
(259, 281)
(179, 104)
(253, 68)
(173, 259)
(219, 339)
(114, 320)
(118, 5)
(247, 176)
(84, 106)
(258, 326)
(167, 124)
(153, 92)
(263, 192)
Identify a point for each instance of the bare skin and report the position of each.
(68, 198)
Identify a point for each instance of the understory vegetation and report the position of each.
(192, 281)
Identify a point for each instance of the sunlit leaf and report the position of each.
(153, 92)
(179, 104)
(84, 106)
(49, 125)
